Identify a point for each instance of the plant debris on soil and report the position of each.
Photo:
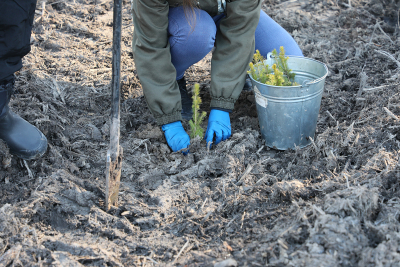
(333, 203)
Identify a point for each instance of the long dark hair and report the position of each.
(190, 15)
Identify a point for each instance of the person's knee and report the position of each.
(194, 32)
(202, 36)
(270, 35)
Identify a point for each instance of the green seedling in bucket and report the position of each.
(197, 118)
(278, 75)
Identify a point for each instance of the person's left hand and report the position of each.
(219, 123)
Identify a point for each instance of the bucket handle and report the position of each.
(306, 83)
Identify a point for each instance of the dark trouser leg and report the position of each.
(16, 17)
(186, 100)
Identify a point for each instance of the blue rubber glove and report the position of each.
(176, 136)
(219, 124)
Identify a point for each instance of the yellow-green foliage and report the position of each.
(278, 75)
(197, 118)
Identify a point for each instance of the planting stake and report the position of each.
(114, 153)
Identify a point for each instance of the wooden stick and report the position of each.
(180, 252)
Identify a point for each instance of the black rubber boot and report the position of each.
(23, 139)
(247, 84)
(187, 101)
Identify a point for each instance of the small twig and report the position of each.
(54, 3)
(196, 223)
(145, 144)
(378, 87)
(384, 33)
(35, 235)
(180, 252)
(372, 36)
(209, 146)
(263, 178)
(43, 12)
(260, 180)
(314, 145)
(102, 43)
(141, 143)
(377, 25)
(398, 18)
(231, 221)
(237, 187)
(283, 244)
(223, 188)
(246, 172)
(259, 150)
(58, 89)
(206, 217)
(390, 114)
(26, 181)
(347, 180)
(153, 261)
(30, 174)
(183, 150)
(344, 172)
(101, 70)
(202, 206)
(330, 115)
(244, 214)
(390, 56)
(43, 8)
(4, 248)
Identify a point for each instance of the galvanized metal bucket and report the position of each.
(288, 114)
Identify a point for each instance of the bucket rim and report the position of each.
(306, 84)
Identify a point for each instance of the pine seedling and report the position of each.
(257, 57)
(252, 71)
(276, 78)
(197, 118)
(279, 75)
(258, 69)
(281, 61)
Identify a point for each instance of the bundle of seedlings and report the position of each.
(279, 74)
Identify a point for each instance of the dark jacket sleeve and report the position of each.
(234, 50)
(152, 56)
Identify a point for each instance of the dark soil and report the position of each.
(333, 203)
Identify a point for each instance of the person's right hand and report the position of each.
(176, 136)
(219, 124)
